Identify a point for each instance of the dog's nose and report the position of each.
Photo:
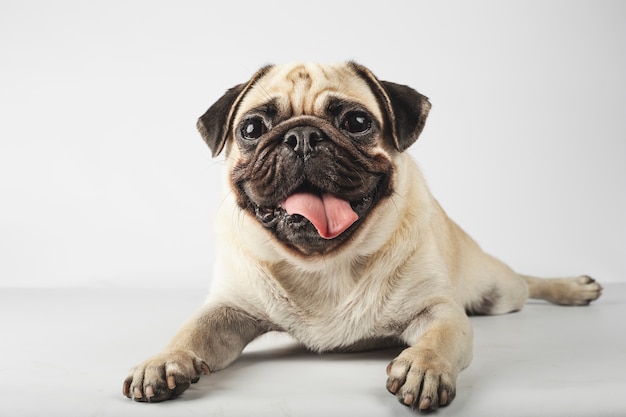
(303, 139)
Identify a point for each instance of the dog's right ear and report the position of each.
(215, 125)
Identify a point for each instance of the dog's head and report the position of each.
(311, 148)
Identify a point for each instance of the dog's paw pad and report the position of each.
(420, 383)
(163, 377)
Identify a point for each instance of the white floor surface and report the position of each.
(66, 352)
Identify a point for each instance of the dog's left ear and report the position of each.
(406, 109)
(409, 110)
(215, 125)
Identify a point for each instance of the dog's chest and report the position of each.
(330, 310)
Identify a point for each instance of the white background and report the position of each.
(104, 181)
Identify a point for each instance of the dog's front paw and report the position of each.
(421, 379)
(164, 376)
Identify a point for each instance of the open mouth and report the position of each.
(308, 207)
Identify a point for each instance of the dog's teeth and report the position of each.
(267, 216)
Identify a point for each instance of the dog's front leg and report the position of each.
(210, 340)
(424, 375)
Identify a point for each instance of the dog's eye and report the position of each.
(356, 122)
(252, 129)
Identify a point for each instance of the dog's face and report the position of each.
(311, 148)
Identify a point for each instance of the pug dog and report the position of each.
(327, 231)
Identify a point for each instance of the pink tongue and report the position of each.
(330, 215)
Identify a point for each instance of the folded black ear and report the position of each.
(409, 112)
(405, 108)
(216, 123)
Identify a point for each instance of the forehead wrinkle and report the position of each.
(308, 82)
(306, 87)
